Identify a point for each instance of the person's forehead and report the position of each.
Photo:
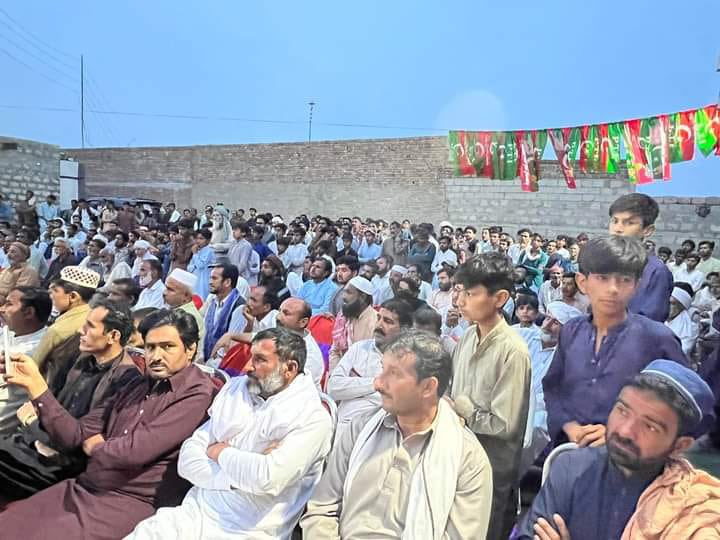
(97, 314)
(387, 314)
(264, 346)
(162, 334)
(648, 404)
(626, 216)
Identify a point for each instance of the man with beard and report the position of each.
(256, 461)
(382, 278)
(441, 298)
(181, 245)
(132, 441)
(152, 286)
(551, 289)
(351, 382)
(357, 320)
(408, 290)
(397, 272)
(346, 268)
(541, 345)
(62, 257)
(571, 295)
(637, 485)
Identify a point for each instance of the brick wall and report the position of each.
(33, 165)
(389, 178)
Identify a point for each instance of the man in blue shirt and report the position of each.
(594, 493)
(634, 215)
(597, 354)
(369, 250)
(319, 290)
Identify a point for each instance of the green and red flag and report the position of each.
(565, 142)
(458, 153)
(654, 142)
(610, 135)
(638, 171)
(681, 136)
(707, 123)
(482, 154)
(589, 149)
(531, 146)
(504, 155)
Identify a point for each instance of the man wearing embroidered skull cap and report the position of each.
(637, 485)
(70, 296)
(179, 289)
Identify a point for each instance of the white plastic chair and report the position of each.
(555, 453)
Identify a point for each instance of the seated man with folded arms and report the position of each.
(410, 469)
(132, 441)
(256, 461)
(637, 486)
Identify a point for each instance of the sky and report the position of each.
(167, 73)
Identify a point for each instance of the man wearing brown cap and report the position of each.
(70, 296)
(18, 274)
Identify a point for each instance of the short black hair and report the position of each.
(131, 288)
(709, 243)
(693, 255)
(351, 262)
(86, 293)
(402, 309)
(637, 204)
(428, 317)
(118, 317)
(491, 270)
(470, 228)
(527, 300)
(664, 250)
(182, 321)
(688, 241)
(122, 233)
(186, 223)
(229, 271)
(155, 266)
(613, 255)
(38, 299)
(205, 233)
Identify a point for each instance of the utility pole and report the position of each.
(312, 106)
(82, 102)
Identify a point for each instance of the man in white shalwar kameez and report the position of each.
(256, 461)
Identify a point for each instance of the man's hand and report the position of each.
(90, 443)
(588, 435)
(213, 451)
(270, 448)
(26, 413)
(26, 374)
(545, 531)
(225, 342)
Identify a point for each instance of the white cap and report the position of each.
(563, 312)
(399, 269)
(184, 277)
(682, 296)
(362, 284)
(141, 244)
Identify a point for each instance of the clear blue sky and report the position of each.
(405, 64)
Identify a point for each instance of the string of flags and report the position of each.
(650, 146)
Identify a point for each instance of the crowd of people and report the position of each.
(236, 374)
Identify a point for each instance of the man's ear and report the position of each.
(681, 445)
(648, 231)
(581, 282)
(501, 298)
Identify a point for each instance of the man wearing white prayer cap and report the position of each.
(357, 319)
(680, 319)
(397, 272)
(142, 253)
(179, 288)
(542, 348)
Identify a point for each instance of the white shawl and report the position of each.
(428, 506)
